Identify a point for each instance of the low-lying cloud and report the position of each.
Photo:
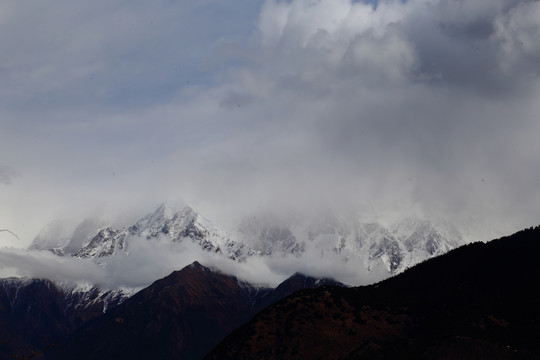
(149, 260)
(7, 174)
(45, 265)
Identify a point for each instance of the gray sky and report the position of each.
(241, 106)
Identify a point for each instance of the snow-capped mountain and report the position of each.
(432, 311)
(63, 237)
(76, 298)
(175, 224)
(268, 236)
(87, 241)
(380, 248)
(82, 296)
(394, 246)
(84, 233)
(53, 237)
(397, 246)
(105, 244)
(186, 223)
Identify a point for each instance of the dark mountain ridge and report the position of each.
(480, 301)
(181, 316)
(36, 313)
(187, 312)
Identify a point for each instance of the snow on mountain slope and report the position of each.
(397, 246)
(128, 258)
(269, 236)
(179, 224)
(394, 246)
(53, 237)
(64, 237)
(88, 241)
(76, 296)
(37, 313)
(84, 233)
(106, 243)
(85, 295)
(408, 242)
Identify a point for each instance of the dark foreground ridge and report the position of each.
(182, 316)
(480, 301)
(35, 314)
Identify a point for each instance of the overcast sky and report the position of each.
(242, 105)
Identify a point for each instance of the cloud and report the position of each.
(360, 99)
(7, 174)
(45, 265)
(102, 55)
(516, 32)
(277, 105)
(450, 43)
(149, 260)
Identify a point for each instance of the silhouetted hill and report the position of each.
(181, 316)
(480, 301)
(35, 314)
(294, 283)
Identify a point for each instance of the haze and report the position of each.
(237, 107)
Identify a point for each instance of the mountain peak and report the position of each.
(55, 234)
(183, 315)
(307, 281)
(197, 266)
(171, 207)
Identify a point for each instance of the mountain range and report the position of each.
(370, 246)
(480, 301)
(393, 247)
(36, 313)
(91, 241)
(76, 312)
(475, 301)
(183, 315)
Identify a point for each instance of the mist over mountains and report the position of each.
(413, 107)
(478, 301)
(264, 249)
(184, 315)
(351, 139)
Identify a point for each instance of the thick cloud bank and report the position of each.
(149, 260)
(425, 107)
(428, 105)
